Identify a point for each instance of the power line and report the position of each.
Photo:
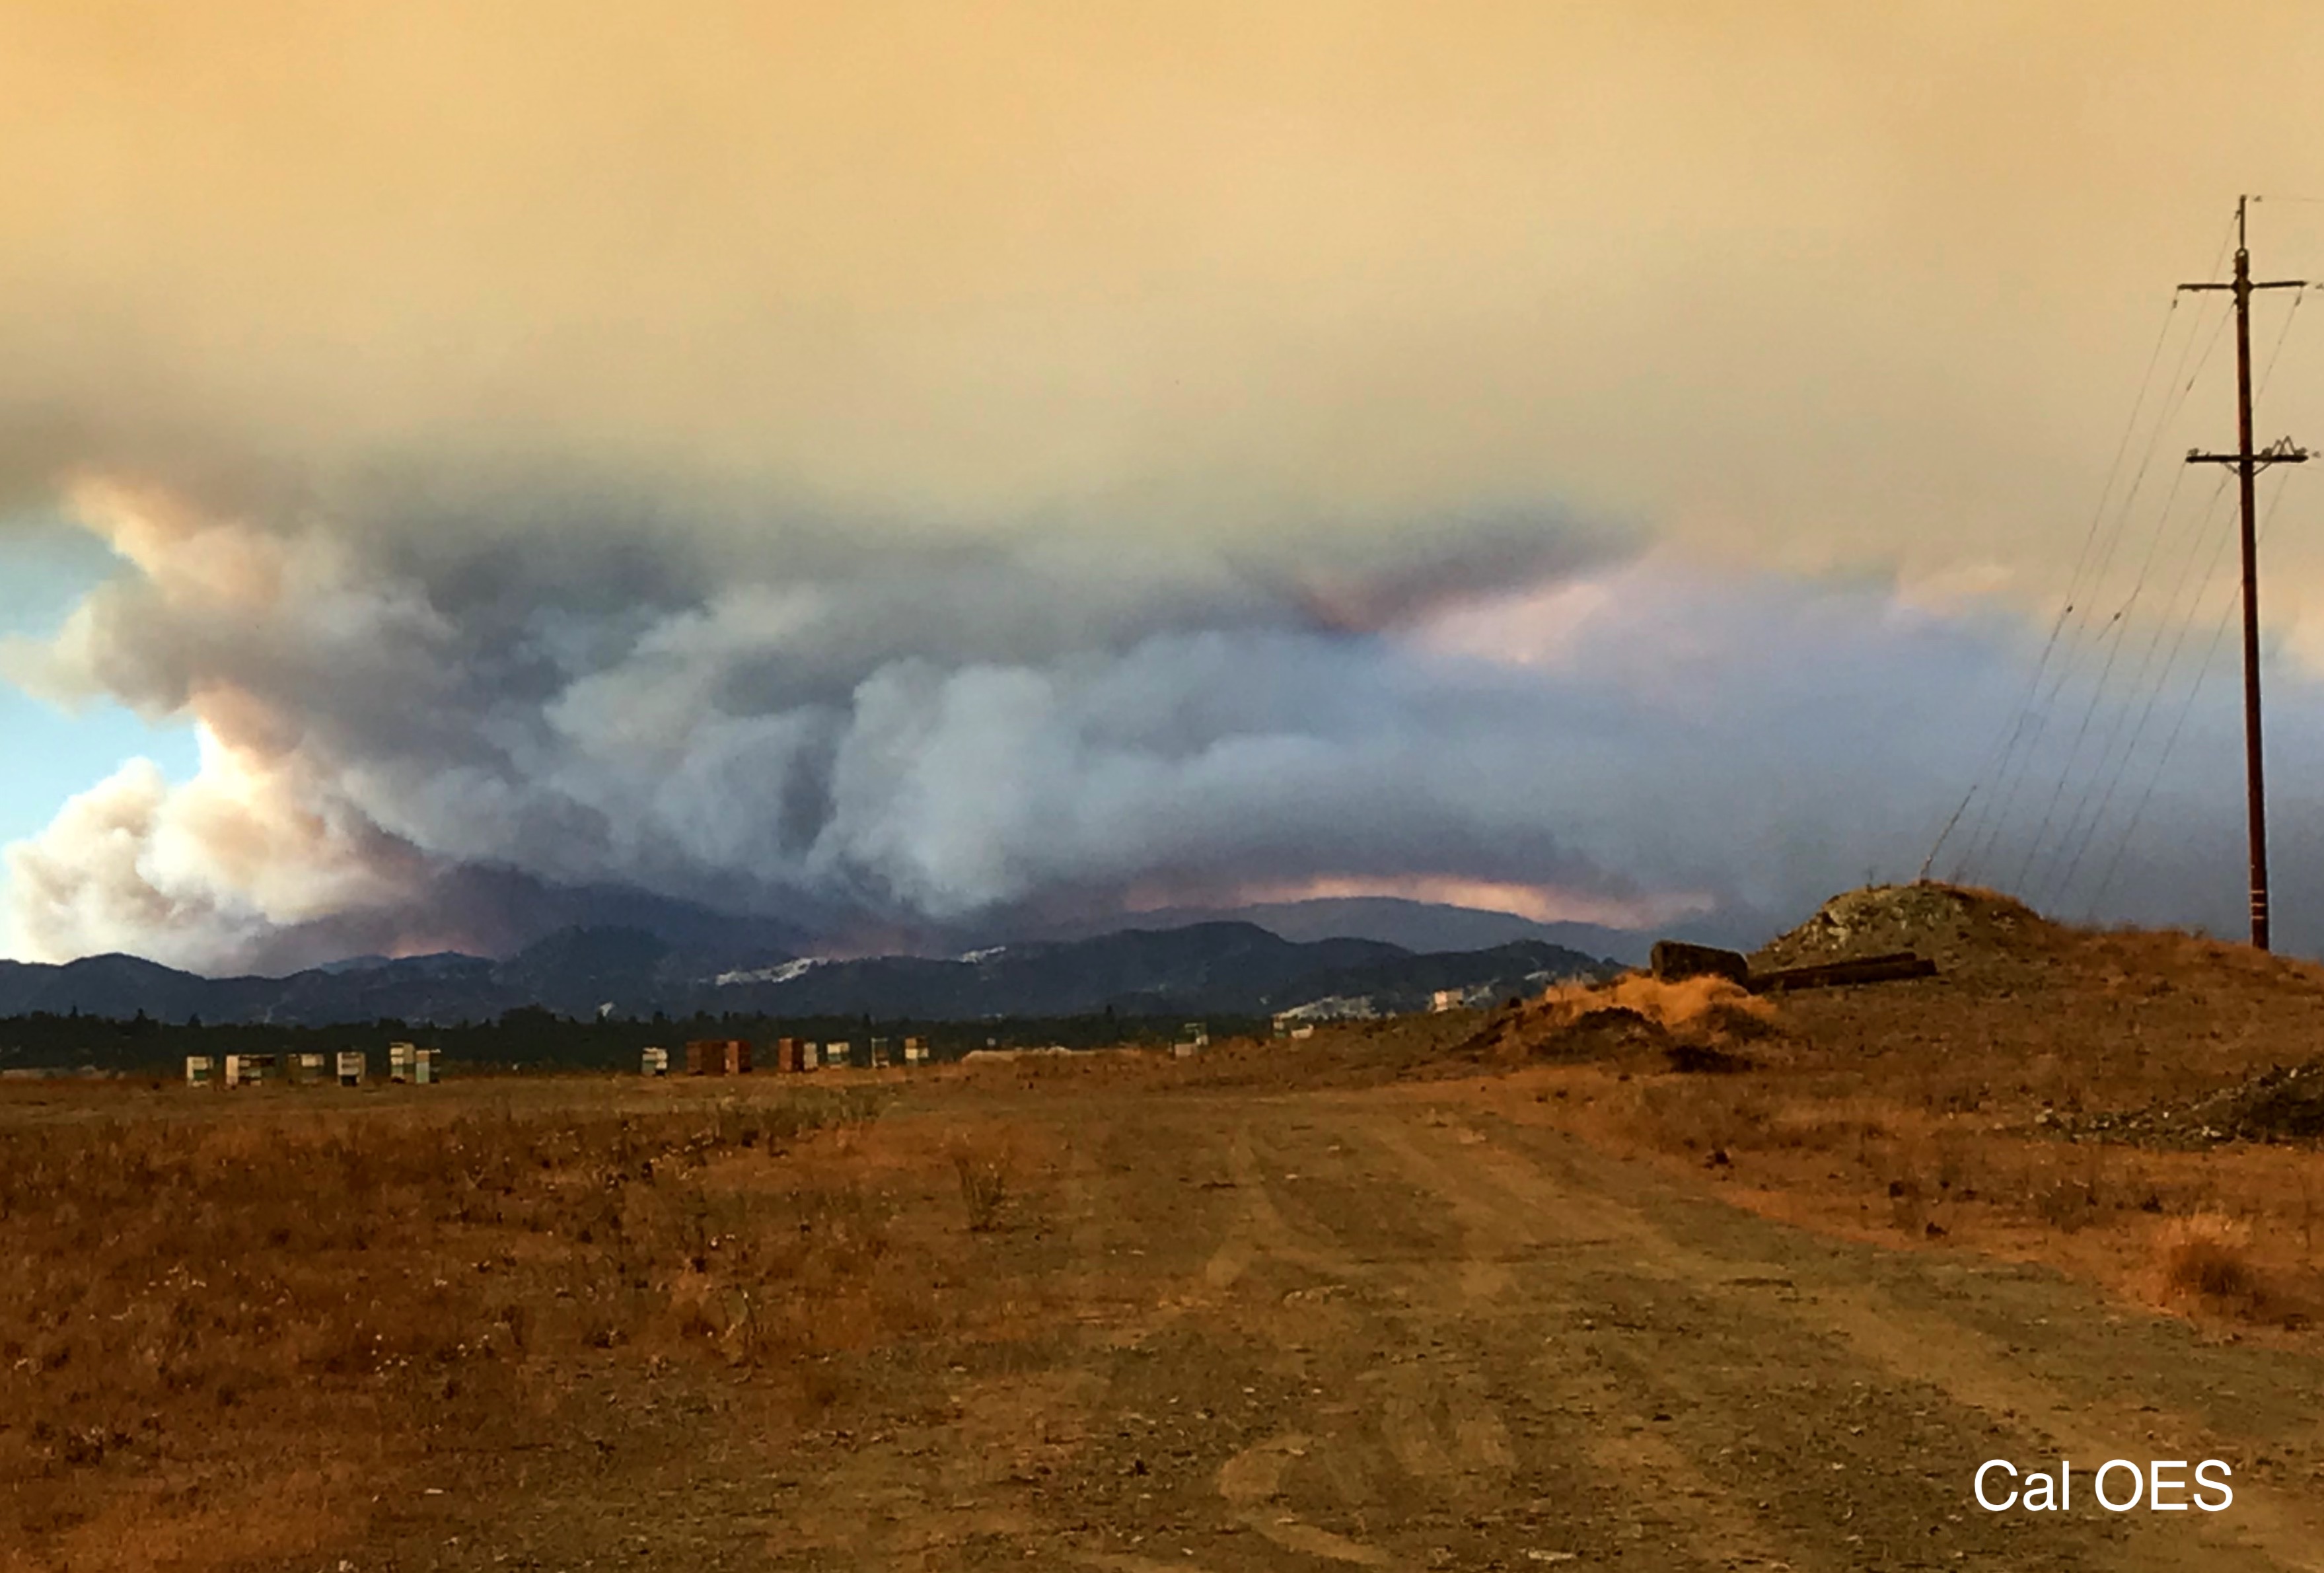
(2167, 618)
(2008, 744)
(2186, 707)
(1993, 824)
(2183, 381)
(2080, 646)
(2114, 776)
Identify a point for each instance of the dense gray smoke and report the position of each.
(870, 728)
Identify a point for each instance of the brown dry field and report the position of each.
(1392, 1297)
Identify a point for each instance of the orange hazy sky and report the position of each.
(1813, 283)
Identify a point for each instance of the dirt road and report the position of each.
(1404, 1329)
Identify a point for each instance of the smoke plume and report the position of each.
(870, 728)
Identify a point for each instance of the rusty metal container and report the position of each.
(718, 1056)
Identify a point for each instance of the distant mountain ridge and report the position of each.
(1223, 967)
(1421, 927)
(1427, 927)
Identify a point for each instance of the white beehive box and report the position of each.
(247, 1069)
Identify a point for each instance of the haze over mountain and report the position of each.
(1424, 926)
(1224, 967)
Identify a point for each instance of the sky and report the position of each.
(906, 465)
(55, 751)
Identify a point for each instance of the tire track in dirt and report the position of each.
(1904, 1347)
(1251, 1481)
(1621, 1440)
(1973, 1373)
(1442, 1356)
(1975, 1370)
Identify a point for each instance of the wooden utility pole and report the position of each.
(2248, 464)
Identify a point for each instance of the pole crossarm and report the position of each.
(2253, 284)
(2280, 451)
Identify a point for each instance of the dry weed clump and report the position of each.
(2205, 1258)
(1670, 1006)
(986, 1175)
(1696, 1023)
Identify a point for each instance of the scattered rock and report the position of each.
(2286, 1104)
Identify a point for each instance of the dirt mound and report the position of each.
(2286, 1104)
(1954, 926)
(1694, 1024)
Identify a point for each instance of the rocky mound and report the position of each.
(1954, 926)
(2286, 1104)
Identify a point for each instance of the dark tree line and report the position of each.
(533, 1039)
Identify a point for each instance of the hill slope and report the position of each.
(1220, 968)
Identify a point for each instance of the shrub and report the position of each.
(984, 1185)
(2206, 1257)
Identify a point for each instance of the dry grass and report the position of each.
(2206, 1258)
(327, 1293)
(1685, 1003)
(985, 1173)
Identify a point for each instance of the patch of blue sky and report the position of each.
(47, 754)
